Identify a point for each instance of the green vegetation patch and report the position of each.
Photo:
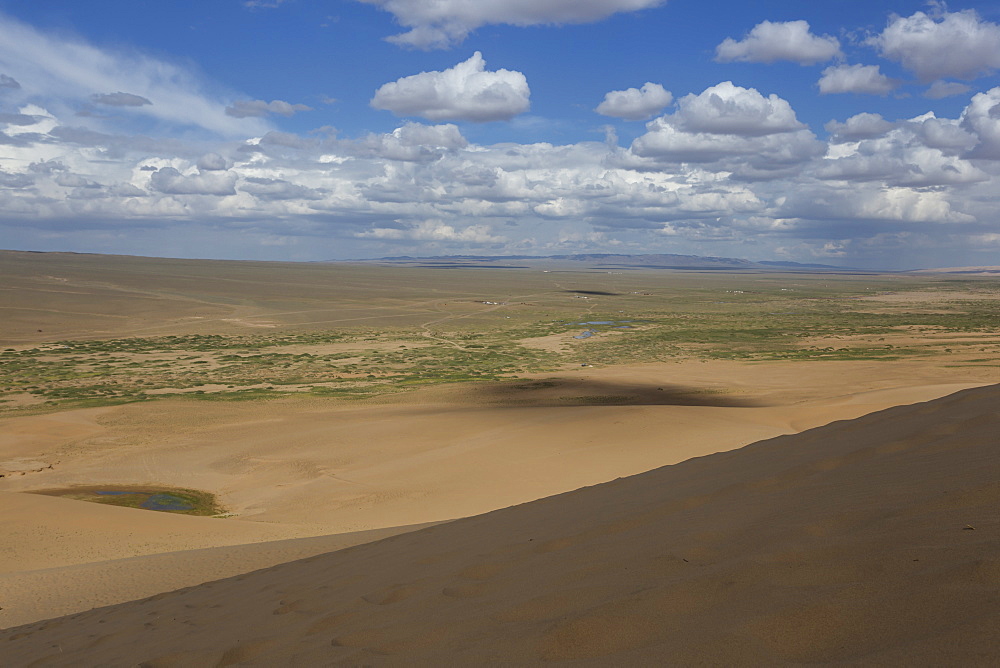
(637, 318)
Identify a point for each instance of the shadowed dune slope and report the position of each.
(875, 540)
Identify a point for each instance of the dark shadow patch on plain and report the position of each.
(599, 293)
(556, 392)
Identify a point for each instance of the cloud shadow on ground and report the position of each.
(555, 392)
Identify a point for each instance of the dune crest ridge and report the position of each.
(870, 540)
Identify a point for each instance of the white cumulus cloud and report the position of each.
(729, 165)
(171, 182)
(438, 136)
(729, 109)
(922, 152)
(856, 79)
(212, 162)
(726, 123)
(413, 142)
(278, 189)
(946, 44)
(769, 42)
(859, 126)
(443, 23)
(635, 104)
(982, 119)
(945, 134)
(466, 92)
(871, 203)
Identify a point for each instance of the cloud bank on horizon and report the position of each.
(509, 127)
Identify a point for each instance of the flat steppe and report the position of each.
(331, 405)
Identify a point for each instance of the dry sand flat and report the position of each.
(871, 541)
(311, 467)
(295, 468)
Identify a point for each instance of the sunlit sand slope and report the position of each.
(39, 593)
(870, 541)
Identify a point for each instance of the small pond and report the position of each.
(183, 501)
(590, 324)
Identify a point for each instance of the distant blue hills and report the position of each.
(597, 261)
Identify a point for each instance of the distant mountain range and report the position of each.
(607, 261)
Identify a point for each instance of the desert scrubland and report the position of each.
(350, 415)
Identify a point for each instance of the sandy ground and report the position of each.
(292, 469)
(41, 593)
(872, 541)
(850, 543)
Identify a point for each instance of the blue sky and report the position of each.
(860, 134)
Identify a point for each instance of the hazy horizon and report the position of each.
(457, 255)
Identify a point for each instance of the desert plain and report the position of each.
(459, 464)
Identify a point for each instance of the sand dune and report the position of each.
(865, 541)
(41, 593)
